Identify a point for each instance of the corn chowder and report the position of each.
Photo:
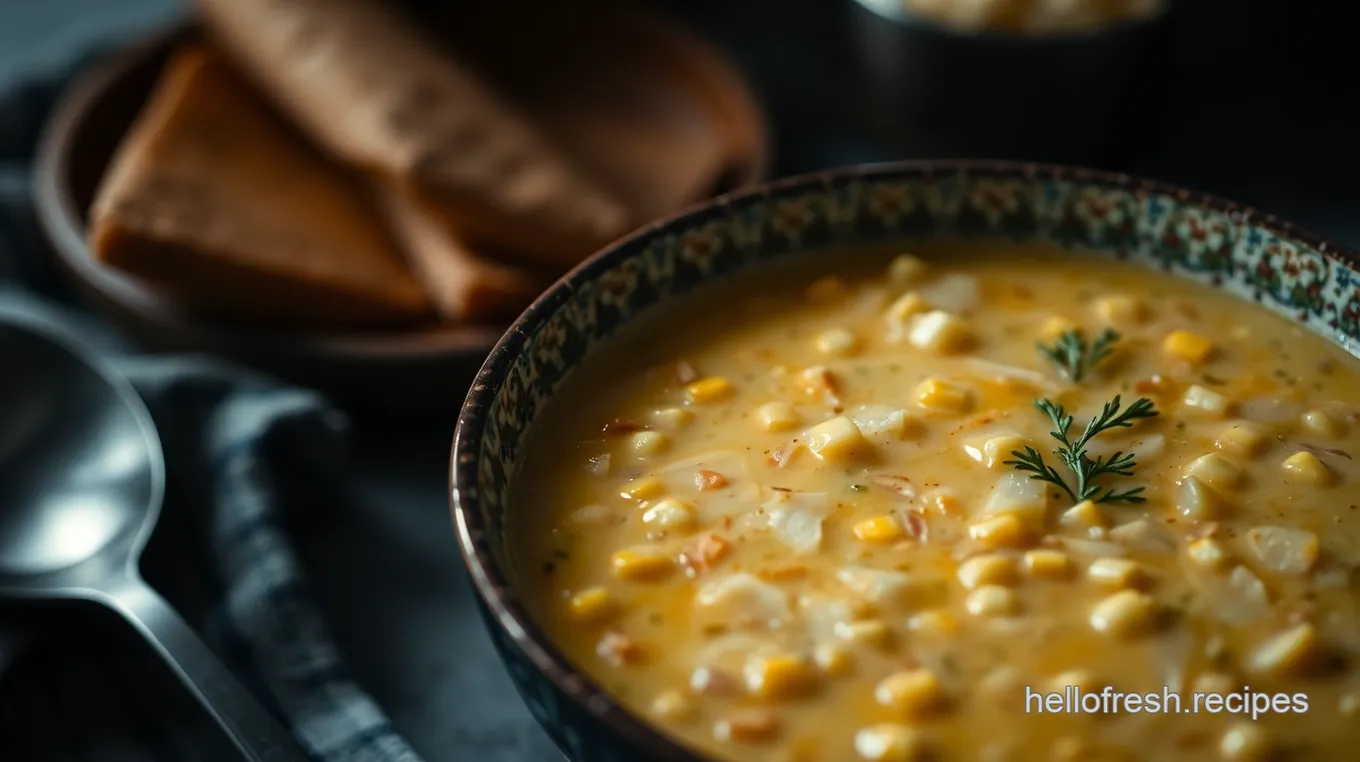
(863, 516)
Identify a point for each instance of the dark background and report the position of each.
(1259, 103)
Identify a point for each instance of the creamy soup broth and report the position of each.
(777, 518)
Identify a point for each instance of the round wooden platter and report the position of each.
(417, 373)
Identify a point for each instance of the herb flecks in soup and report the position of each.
(867, 516)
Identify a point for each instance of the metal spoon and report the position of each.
(81, 482)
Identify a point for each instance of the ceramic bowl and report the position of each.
(931, 90)
(1217, 242)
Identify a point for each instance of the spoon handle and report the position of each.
(251, 729)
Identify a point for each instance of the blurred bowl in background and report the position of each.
(931, 90)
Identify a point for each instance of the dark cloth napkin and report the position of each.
(248, 461)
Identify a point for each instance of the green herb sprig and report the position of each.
(1073, 455)
(1074, 356)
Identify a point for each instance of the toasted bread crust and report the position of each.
(370, 89)
(212, 198)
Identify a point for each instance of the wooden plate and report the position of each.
(418, 373)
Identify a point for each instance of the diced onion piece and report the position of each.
(1286, 550)
(1017, 493)
(1240, 599)
(1215, 471)
(1197, 500)
(796, 518)
(953, 292)
(598, 465)
(1143, 534)
(1143, 448)
(742, 600)
(1206, 402)
(887, 587)
(884, 419)
(1010, 374)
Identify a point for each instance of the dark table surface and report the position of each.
(1257, 110)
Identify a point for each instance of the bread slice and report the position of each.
(462, 285)
(213, 199)
(371, 89)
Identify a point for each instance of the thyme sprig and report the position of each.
(1073, 453)
(1074, 356)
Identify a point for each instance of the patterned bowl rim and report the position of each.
(474, 538)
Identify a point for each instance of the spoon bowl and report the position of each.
(84, 475)
(82, 479)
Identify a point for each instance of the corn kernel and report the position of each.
(1116, 572)
(709, 390)
(1243, 439)
(1187, 346)
(649, 443)
(986, 570)
(649, 488)
(837, 342)
(1126, 613)
(890, 742)
(942, 500)
(819, 381)
(781, 676)
(992, 600)
(591, 604)
(1322, 424)
(997, 450)
(940, 332)
(869, 631)
(1290, 653)
(672, 706)
(640, 564)
(1206, 402)
(879, 529)
(1214, 471)
(1081, 679)
(837, 439)
(1047, 564)
(905, 270)
(1244, 742)
(670, 514)
(746, 726)
(1304, 467)
(591, 516)
(828, 289)
(1349, 705)
(936, 394)
(933, 623)
(777, 416)
(1055, 326)
(672, 417)
(1002, 531)
(1207, 553)
(904, 308)
(1083, 515)
(1213, 682)
(833, 659)
(1120, 310)
(912, 692)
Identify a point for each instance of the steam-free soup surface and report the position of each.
(787, 519)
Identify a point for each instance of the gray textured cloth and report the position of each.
(247, 457)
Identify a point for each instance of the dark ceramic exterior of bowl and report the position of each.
(1206, 239)
(934, 91)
